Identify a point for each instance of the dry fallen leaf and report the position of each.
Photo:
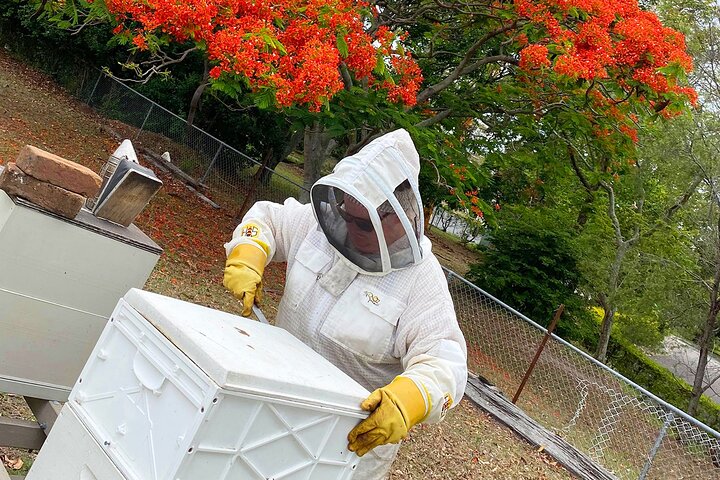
(14, 463)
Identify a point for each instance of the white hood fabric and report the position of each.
(374, 180)
(373, 325)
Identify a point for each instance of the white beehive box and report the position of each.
(71, 453)
(176, 391)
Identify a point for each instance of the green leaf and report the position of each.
(380, 68)
(342, 46)
(230, 88)
(265, 98)
(280, 47)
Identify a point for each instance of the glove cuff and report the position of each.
(252, 256)
(409, 399)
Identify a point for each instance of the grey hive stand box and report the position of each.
(59, 282)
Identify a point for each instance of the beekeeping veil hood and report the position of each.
(369, 207)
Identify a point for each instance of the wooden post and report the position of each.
(540, 349)
(20, 434)
(45, 411)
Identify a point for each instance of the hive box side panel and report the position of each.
(141, 398)
(44, 343)
(71, 453)
(47, 258)
(260, 437)
(58, 285)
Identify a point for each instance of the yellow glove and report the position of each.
(243, 274)
(395, 409)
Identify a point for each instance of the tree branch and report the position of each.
(683, 199)
(461, 67)
(437, 118)
(710, 383)
(345, 74)
(160, 61)
(573, 161)
(619, 240)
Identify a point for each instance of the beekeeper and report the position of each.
(364, 290)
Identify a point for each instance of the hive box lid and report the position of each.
(245, 355)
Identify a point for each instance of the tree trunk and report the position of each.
(195, 101)
(427, 214)
(280, 155)
(316, 140)
(605, 330)
(584, 213)
(195, 105)
(608, 300)
(706, 337)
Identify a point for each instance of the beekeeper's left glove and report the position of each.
(395, 408)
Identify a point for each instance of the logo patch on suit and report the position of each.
(372, 298)
(250, 230)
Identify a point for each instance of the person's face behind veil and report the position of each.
(361, 233)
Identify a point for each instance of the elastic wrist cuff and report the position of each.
(253, 256)
(411, 400)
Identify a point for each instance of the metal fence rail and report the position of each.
(623, 427)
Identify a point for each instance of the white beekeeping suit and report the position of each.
(363, 288)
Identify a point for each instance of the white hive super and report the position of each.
(71, 453)
(176, 391)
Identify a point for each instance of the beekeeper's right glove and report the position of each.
(395, 408)
(243, 274)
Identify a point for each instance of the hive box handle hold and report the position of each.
(149, 376)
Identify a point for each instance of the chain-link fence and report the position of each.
(618, 424)
(223, 170)
(623, 427)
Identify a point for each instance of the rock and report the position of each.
(56, 170)
(50, 197)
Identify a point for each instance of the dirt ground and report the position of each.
(33, 110)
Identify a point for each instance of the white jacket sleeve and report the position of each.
(431, 345)
(274, 226)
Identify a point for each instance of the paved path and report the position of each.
(681, 358)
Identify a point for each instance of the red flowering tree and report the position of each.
(622, 57)
(628, 66)
(586, 73)
(290, 52)
(600, 58)
(506, 63)
(551, 88)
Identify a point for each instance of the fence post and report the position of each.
(539, 351)
(448, 274)
(92, 92)
(658, 441)
(144, 121)
(212, 164)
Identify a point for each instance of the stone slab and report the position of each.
(47, 196)
(58, 171)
